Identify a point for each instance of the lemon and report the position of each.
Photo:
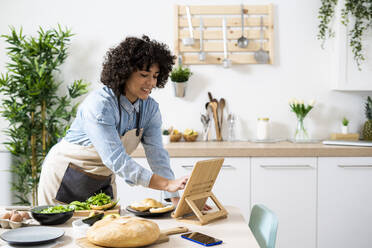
(175, 131)
(188, 131)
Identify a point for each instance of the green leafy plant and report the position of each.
(345, 121)
(300, 108)
(359, 11)
(37, 116)
(180, 74)
(166, 132)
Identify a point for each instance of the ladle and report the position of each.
(261, 56)
(242, 41)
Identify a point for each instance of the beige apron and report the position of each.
(82, 166)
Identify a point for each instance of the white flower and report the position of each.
(295, 101)
(291, 101)
(312, 102)
(301, 102)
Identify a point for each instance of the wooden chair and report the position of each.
(264, 225)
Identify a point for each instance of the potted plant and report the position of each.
(345, 125)
(38, 117)
(301, 110)
(166, 136)
(367, 128)
(180, 76)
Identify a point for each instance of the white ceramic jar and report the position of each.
(262, 128)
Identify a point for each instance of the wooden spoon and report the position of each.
(213, 106)
(222, 104)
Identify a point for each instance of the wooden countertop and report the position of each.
(238, 233)
(250, 149)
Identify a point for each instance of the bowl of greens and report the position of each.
(52, 215)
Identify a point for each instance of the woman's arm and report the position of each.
(157, 156)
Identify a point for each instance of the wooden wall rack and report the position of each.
(213, 35)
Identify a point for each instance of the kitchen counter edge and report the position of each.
(250, 149)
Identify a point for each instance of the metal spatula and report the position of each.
(261, 56)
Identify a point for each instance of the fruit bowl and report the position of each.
(175, 137)
(190, 138)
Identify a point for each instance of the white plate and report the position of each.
(26, 235)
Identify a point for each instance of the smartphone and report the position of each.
(201, 238)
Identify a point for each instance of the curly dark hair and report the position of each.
(135, 54)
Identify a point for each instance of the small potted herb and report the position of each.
(180, 76)
(345, 125)
(166, 135)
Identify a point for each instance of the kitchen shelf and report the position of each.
(213, 33)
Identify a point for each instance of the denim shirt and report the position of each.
(97, 124)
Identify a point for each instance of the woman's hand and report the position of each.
(175, 201)
(177, 184)
(161, 183)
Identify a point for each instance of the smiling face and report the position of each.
(140, 83)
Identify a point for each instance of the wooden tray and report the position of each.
(84, 242)
(85, 213)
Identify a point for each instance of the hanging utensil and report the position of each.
(261, 56)
(226, 62)
(189, 41)
(242, 41)
(201, 52)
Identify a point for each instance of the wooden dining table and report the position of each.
(233, 231)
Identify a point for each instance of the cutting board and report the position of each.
(85, 213)
(342, 136)
(84, 242)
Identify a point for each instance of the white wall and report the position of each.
(301, 70)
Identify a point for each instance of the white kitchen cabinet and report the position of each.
(287, 186)
(127, 194)
(345, 202)
(232, 186)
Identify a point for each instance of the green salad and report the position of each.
(79, 205)
(97, 200)
(55, 209)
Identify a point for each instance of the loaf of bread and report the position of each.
(124, 231)
(162, 210)
(146, 204)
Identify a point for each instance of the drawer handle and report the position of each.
(355, 166)
(227, 166)
(300, 166)
(187, 166)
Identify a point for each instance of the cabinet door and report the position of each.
(287, 186)
(128, 194)
(233, 182)
(345, 202)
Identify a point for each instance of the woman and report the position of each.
(109, 125)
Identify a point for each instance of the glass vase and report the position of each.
(301, 133)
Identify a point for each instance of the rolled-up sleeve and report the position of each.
(156, 155)
(99, 125)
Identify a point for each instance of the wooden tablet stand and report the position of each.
(196, 193)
